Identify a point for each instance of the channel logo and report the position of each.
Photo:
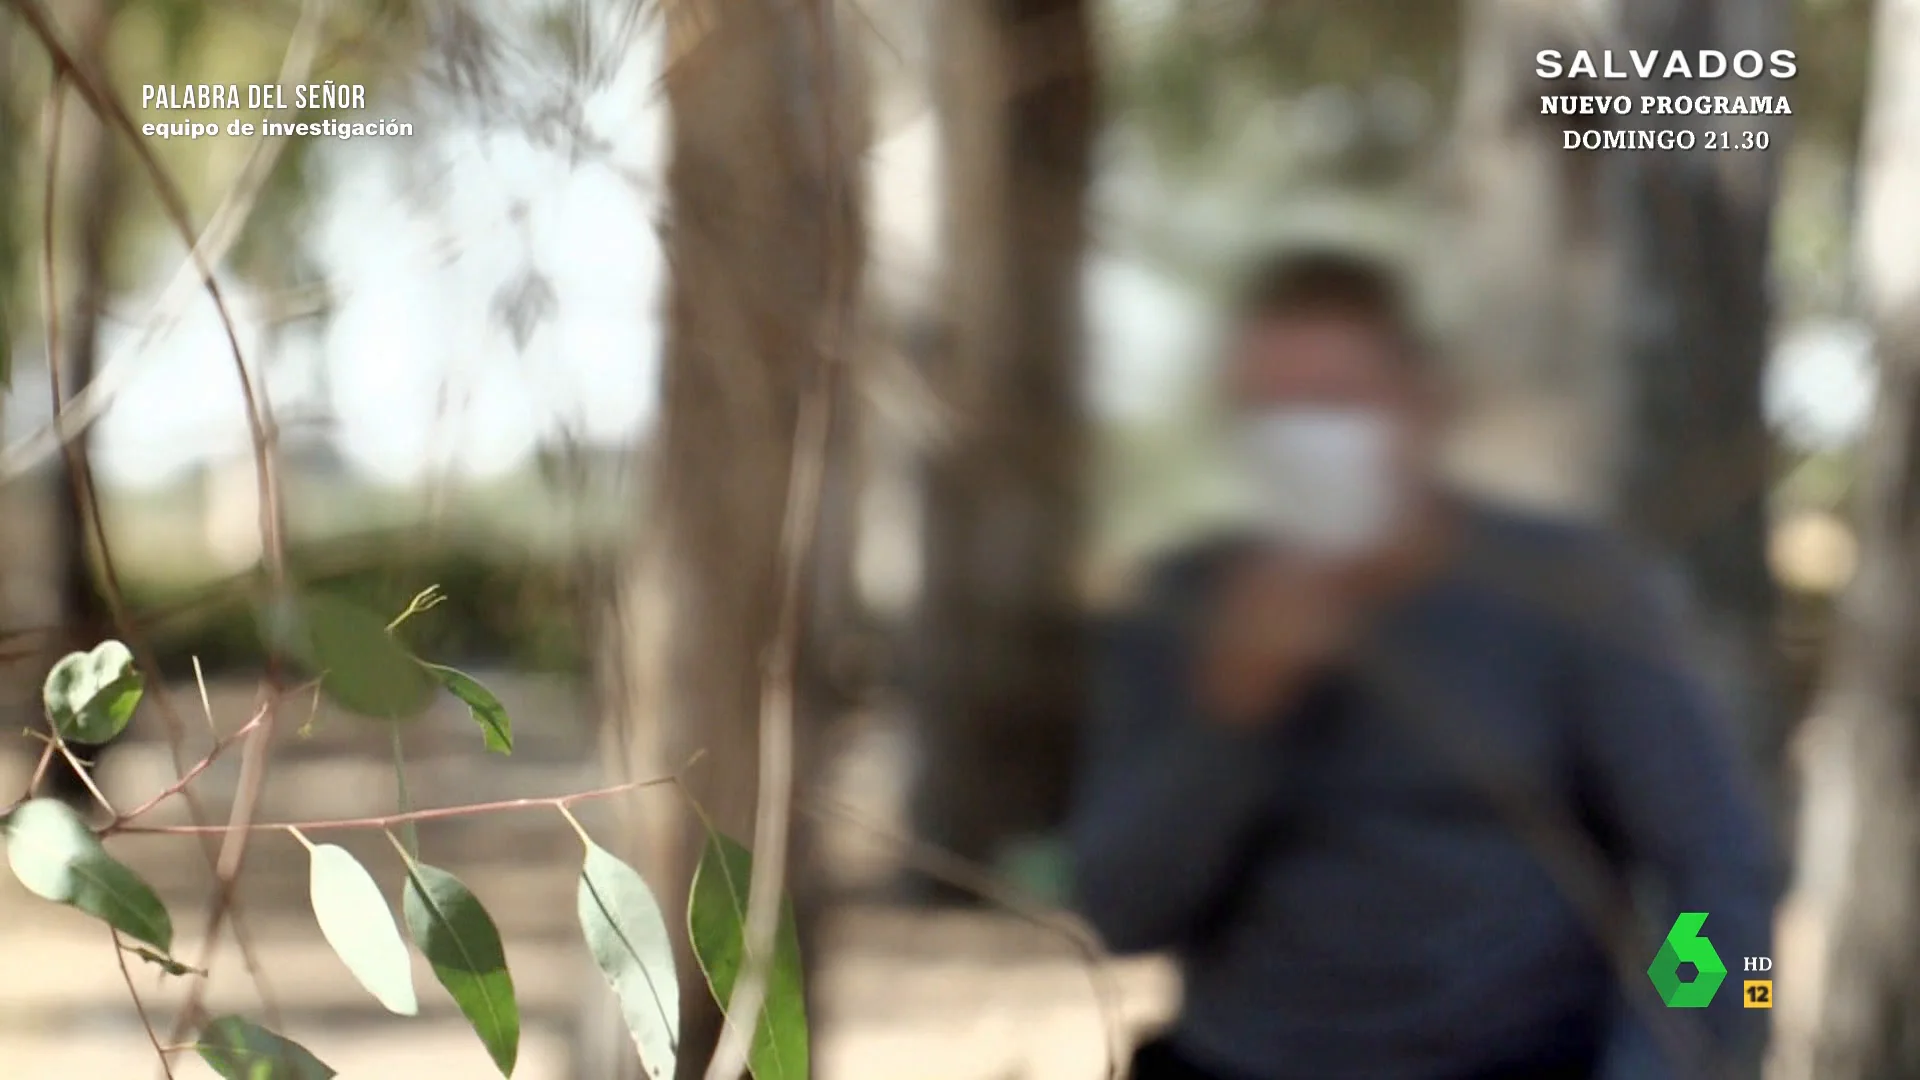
(1686, 945)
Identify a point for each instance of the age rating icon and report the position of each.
(1686, 945)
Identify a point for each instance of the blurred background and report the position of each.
(553, 352)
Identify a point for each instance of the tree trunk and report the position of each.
(1858, 886)
(13, 142)
(997, 655)
(94, 199)
(12, 151)
(1695, 308)
(1622, 316)
(764, 246)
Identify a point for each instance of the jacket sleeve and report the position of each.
(1662, 767)
(1167, 805)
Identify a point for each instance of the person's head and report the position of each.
(1327, 378)
(1327, 328)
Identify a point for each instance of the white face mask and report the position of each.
(1321, 479)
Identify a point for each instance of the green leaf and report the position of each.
(627, 935)
(360, 665)
(238, 1050)
(57, 858)
(90, 696)
(354, 918)
(716, 921)
(496, 727)
(458, 938)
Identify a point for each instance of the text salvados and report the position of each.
(1665, 64)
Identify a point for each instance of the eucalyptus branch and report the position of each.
(388, 821)
(180, 786)
(112, 115)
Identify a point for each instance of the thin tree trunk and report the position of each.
(997, 663)
(12, 152)
(765, 252)
(1695, 331)
(1858, 884)
(93, 202)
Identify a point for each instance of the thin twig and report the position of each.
(180, 786)
(388, 821)
(146, 1022)
(773, 808)
(813, 443)
(80, 769)
(113, 114)
(39, 771)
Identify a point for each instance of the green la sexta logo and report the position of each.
(1684, 945)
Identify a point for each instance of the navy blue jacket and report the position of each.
(1411, 874)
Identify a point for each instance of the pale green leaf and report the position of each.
(90, 696)
(458, 937)
(496, 727)
(238, 1050)
(355, 920)
(716, 921)
(627, 935)
(58, 858)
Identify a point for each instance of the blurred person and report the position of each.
(1291, 782)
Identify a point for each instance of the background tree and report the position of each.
(1695, 329)
(92, 183)
(997, 667)
(764, 249)
(1858, 874)
(11, 152)
(1623, 301)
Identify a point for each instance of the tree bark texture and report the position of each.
(996, 659)
(1696, 301)
(764, 251)
(1858, 886)
(93, 187)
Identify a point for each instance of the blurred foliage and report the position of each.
(1813, 233)
(1189, 72)
(1817, 481)
(497, 609)
(13, 191)
(1832, 39)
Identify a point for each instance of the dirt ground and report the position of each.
(907, 995)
